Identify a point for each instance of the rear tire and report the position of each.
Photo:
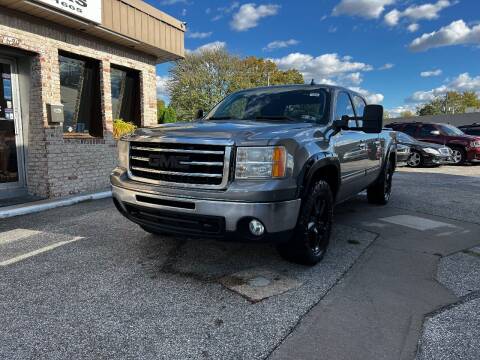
(379, 193)
(312, 234)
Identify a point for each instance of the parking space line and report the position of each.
(416, 222)
(38, 251)
(16, 234)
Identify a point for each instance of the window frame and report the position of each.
(339, 93)
(138, 99)
(95, 121)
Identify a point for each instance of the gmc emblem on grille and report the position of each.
(171, 162)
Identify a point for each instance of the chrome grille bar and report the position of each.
(185, 151)
(175, 173)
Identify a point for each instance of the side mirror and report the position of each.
(200, 114)
(435, 133)
(373, 119)
(341, 123)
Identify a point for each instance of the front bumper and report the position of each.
(202, 217)
(473, 155)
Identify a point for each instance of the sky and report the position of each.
(398, 53)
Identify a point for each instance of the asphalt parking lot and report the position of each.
(81, 282)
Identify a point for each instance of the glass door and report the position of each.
(11, 144)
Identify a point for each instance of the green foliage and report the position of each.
(407, 114)
(169, 115)
(160, 110)
(451, 103)
(204, 78)
(121, 128)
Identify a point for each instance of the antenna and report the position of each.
(313, 82)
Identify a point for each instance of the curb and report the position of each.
(38, 206)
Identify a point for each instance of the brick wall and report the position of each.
(58, 166)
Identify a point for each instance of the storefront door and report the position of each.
(11, 141)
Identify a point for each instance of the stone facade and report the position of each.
(57, 165)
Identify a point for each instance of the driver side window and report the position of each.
(344, 107)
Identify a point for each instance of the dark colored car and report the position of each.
(423, 153)
(473, 129)
(464, 147)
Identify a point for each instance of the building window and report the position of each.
(80, 95)
(125, 84)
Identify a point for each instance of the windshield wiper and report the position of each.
(221, 118)
(274, 117)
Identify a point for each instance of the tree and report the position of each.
(160, 110)
(451, 103)
(169, 115)
(204, 78)
(407, 114)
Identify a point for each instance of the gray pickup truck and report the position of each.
(265, 164)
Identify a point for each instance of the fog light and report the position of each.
(256, 227)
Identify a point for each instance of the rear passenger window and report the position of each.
(426, 130)
(344, 107)
(410, 129)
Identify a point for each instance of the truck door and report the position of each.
(350, 147)
(374, 144)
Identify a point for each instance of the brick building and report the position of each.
(67, 69)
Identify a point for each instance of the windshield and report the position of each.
(273, 104)
(451, 130)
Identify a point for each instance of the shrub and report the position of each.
(121, 128)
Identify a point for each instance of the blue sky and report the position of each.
(398, 53)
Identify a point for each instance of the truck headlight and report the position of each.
(262, 162)
(123, 148)
(431, 151)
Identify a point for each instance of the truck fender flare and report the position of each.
(312, 165)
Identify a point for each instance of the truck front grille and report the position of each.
(187, 164)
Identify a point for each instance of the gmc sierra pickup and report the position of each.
(264, 164)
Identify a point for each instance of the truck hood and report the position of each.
(240, 132)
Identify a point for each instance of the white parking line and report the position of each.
(416, 222)
(15, 235)
(38, 251)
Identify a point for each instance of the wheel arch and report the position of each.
(324, 167)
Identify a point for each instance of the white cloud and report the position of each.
(199, 35)
(431, 73)
(417, 12)
(463, 82)
(413, 27)
(280, 44)
(250, 14)
(456, 33)
(173, 2)
(184, 12)
(369, 9)
(329, 67)
(387, 66)
(209, 46)
(223, 10)
(332, 29)
(396, 111)
(162, 91)
(371, 98)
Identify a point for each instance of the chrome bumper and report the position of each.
(276, 216)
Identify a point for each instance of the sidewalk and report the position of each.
(378, 310)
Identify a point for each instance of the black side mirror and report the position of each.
(373, 119)
(341, 123)
(200, 114)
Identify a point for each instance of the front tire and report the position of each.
(379, 193)
(458, 155)
(312, 235)
(415, 160)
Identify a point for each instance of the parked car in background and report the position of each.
(423, 153)
(464, 147)
(473, 129)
